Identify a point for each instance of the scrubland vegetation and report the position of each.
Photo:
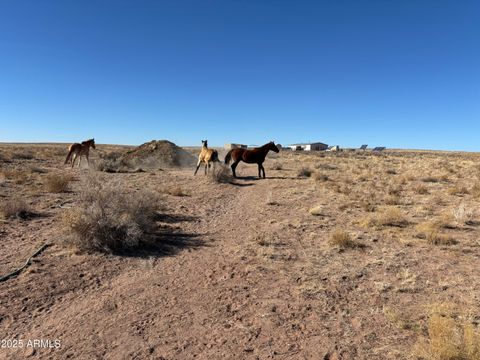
(355, 255)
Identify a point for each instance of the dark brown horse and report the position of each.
(254, 156)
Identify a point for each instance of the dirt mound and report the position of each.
(159, 153)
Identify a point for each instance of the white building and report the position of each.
(235, 146)
(316, 146)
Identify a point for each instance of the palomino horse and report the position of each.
(254, 156)
(207, 156)
(78, 150)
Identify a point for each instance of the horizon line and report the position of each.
(222, 146)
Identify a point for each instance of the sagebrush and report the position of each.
(108, 219)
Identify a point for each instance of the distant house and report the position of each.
(379, 148)
(235, 146)
(316, 146)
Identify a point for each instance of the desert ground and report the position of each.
(348, 255)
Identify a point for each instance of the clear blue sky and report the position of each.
(402, 73)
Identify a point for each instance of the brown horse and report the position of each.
(254, 156)
(78, 150)
(207, 156)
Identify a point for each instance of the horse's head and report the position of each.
(273, 147)
(92, 143)
(205, 143)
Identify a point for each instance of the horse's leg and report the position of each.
(259, 170)
(234, 166)
(206, 165)
(263, 169)
(74, 157)
(79, 160)
(88, 160)
(198, 165)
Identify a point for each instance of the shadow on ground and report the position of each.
(256, 178)
(169, 240)
(240, 184)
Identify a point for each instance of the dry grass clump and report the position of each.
(458, 190)
(220, 174)
(109, 220)
(397, 317)
(58, 183)
(431, 231)
(368, 206)
(420, 189)
(449, 337)
(15, 208)
(446, 220)
(463, 215)
(25, 155)
(175, 190)
(304, 172)
(276, 166)
(342, 239)
(17, 176)
(475, 190)
(390, 216)
(444, 178)
(320, 177)
(394, 190)
(368, 203)
(346, 205)
(322, 166)
(393, 200)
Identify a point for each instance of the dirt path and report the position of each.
(212, 301)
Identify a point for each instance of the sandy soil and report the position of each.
(245, 270)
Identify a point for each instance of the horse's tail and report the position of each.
(228, 157)
(215, 156)
(70, 152)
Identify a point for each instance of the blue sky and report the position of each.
(400, 73)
